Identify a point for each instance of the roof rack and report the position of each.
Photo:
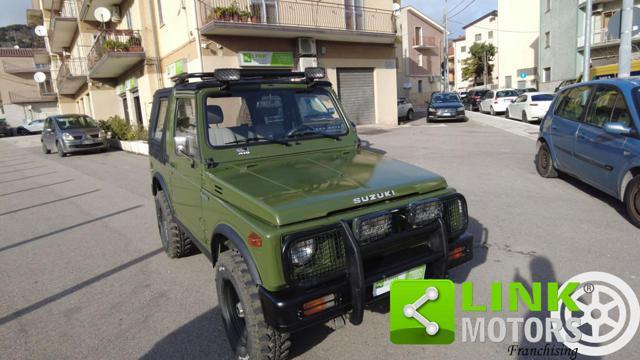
(228, 75)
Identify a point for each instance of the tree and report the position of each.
(474, 65)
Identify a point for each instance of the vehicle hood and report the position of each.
(446, 105)
(298, 188)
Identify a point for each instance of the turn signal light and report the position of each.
(254, 240)
(457, 253)
(317, 305)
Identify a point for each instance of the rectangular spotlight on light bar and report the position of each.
(315, 73)
(424, 212)
(227, 74)
(373, 227)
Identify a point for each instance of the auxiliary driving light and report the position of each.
(315, 73)
(373, 227)
(424, 212)
(227, 74)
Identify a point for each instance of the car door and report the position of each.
(486, 101)
(564, 125)
(600, 155)
(186, 167)
(515, 108)
(47, 133)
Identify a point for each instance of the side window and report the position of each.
(489, 95)
(604, 101)
(522, 98)
(187, 124)
(621, 112)
(573, 103)
(159, 122)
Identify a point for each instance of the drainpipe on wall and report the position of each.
(156, 43)
(197, 35)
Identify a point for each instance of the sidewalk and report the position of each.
(513, 126)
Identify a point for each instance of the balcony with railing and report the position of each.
(31, 97)
(63, 25)
(601, 38)
(425, 42)
(72, 75)
(13, 68)
(114, 52)
(297, 18)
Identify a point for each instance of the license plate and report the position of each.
(383, 286)
(87, 142)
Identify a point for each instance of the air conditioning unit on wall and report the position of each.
(306, 47)
(307, 62)
(116, 15)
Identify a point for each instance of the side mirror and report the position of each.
(617, 128)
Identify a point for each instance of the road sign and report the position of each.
(523, 75)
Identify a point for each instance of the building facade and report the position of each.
(419, 56)
(557, 46)
(22, 99)
(106, 68)
(518, 36)
(482, 30)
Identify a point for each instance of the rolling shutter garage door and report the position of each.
(355, 88)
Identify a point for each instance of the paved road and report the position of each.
(82, 274)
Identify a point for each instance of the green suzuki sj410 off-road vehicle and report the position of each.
(263, 173)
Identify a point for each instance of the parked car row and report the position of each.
(33, 127)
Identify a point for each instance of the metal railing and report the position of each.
(72, 67)
(597, 37)
(31, 97)
(298, 13)
(110, 41)
(67, 10)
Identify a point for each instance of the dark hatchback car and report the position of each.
(445, 106)
(5, 130)
(474, 97)
(591, 133)
(72, 133)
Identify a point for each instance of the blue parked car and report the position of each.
(591, 132)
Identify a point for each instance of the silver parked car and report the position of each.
(72, 133)
(405, 109)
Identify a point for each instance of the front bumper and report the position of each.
(71, 146)
(460, 115)
(283, 309)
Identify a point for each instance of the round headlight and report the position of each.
(67, 136)
(302, 252)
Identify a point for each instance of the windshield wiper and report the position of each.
(258, 138)
(312, 132)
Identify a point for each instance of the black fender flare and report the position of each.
(230, 234)
(163, 186)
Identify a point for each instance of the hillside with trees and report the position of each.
(21, 35)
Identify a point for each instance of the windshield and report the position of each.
(239, 117)
(75, 121)
(544, 97)
(445, 98)
(506, 93)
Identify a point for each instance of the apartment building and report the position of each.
(557, 46)
(482, 30)
(605, 39)
(419, 55)
(518, 36)
(101, 67)
(22, 99)
(451, 65)
(459, 54)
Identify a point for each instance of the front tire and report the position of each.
(61, 152)
(492, 111)
(524, 117)
(249, 335)
(544, 162)
(632, 201)
(409, 116)
(174, 243)
(506, 114)
(45, 149)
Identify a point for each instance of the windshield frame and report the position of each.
(439, 95)
(92, 120)
(270, 141)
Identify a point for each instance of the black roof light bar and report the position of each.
(229, 75)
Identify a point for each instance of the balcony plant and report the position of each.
(234, 11)
(245, 16)
(218, 12)
(115, 45)
(134, 43)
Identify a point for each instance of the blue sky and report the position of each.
(14, 13)
(434, 10)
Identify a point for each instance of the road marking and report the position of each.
(529, 131)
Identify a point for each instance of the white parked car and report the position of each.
(405, 109)
(34, 127)
(496, 101)
(529, 106)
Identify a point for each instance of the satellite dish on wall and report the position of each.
(102, 14)
(41, 31)
(395, 7)
(39, 77)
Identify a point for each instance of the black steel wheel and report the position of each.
(544, 162)
(632, 200)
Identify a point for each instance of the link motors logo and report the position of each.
(593, 314)
(609, 314)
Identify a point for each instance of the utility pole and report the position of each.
(626, 24)
(445, 49)
(586, 62)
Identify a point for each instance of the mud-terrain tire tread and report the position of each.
(263, 342)
(177, 244)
